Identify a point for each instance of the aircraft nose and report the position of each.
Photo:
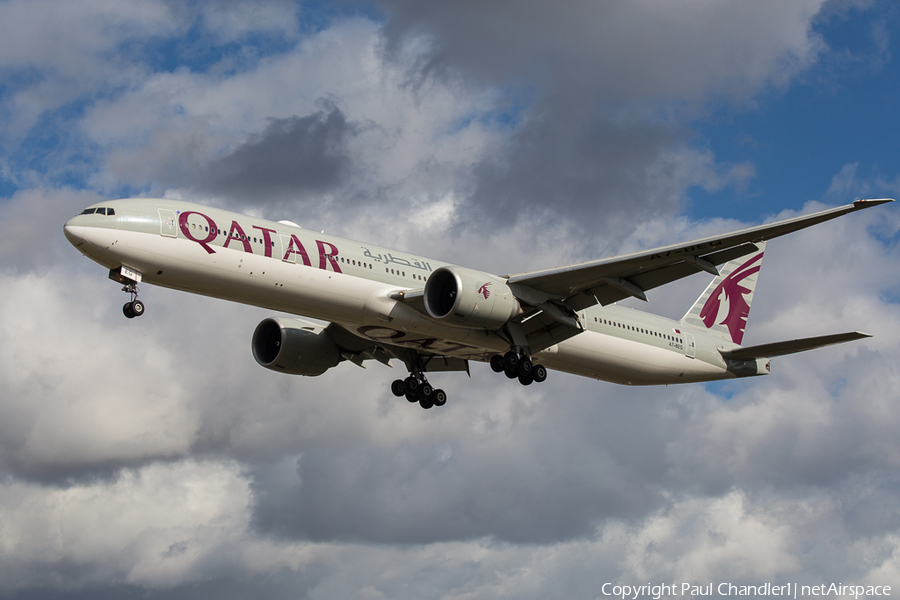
(74, 233)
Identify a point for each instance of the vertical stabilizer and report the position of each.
(723, 307)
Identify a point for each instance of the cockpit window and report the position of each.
(100, 211)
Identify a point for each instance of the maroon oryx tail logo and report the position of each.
(484, 291)
(738, 307)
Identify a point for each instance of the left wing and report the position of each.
(612, 279)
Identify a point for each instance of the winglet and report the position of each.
(867, 202)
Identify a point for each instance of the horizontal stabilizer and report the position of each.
(791, 346)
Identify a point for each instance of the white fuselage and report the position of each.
(280, 266)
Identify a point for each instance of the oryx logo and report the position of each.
(730, 291)
(484, 291)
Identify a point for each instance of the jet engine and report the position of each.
(469, 298)
(294, 346)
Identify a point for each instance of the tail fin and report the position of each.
(725, 304)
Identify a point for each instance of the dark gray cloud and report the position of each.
(558, 168)
(543, 481)
(608, 87)
(642, 51)
(290, 158)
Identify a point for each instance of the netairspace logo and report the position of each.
(786, 590)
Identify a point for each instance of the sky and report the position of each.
(153, 458)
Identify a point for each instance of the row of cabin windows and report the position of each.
(355, 263)
(664, 336)
(352, 262)
(236, 236)
(99, 211)
(415, 276)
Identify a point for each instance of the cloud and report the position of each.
(55, 52)
(634, 52)
(609, 89)
(67, 410)
(157, 526)
(30, 230)
(291, 157)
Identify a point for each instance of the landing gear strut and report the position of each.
(130, 279)
(134, 308)
(417, 389)
(517, 365)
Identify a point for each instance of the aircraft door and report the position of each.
(690, 349)
(168, 224)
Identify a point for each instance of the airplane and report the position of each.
(382, 304)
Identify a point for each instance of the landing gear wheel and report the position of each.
(511, 361)
(411, 397)
(412, 384)
(526, 379)
(398, 388)
(511, 373)
(439, 397)
(426, 403)
(497, 363)
(525, 368)
(133, 308)
(425, 391)
(539, 373)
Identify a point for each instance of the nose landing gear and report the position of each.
(134, 308)
(129, 277)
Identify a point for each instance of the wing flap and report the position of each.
(647, 279)
(791, 346)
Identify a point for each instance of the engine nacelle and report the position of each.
(294, 346)
(469, 298)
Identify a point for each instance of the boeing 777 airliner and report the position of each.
(383, 304)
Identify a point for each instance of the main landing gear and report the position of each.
(417, 389)
(517, 365)
(134, 308)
